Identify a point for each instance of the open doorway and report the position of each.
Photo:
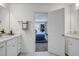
(41, 34)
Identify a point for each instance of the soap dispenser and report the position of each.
(11, 32)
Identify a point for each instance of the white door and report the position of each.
(56, 41)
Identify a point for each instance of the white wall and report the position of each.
(67, 20)
(24, 11)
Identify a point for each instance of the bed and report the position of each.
(40, 37)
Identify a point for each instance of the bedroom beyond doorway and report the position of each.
(41, 35)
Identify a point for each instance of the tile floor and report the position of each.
(38, 54)
(43, 54)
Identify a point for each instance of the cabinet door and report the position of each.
(73, 47)
(19, 43)
(2, 49)
(66, 45)
(12, 47)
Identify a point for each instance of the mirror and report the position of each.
(4, 18)
(74, 19)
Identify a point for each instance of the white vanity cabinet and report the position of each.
(2, 49)
(12, 47)
(72, 46)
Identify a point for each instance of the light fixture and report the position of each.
(25, 25)
(77, 5)
(25, 22)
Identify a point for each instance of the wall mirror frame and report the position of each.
(5, 17)
(74, 19)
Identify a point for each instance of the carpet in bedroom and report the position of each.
(41, 47)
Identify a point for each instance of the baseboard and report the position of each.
(59, 55)
(53, 53)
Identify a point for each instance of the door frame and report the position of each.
(34, 27)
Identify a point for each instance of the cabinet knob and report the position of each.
(13, 45)
(1, 46)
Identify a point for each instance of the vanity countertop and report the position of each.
(72, 36)
(8, 37)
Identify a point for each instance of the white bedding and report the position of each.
(40, 32)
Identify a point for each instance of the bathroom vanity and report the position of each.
(10, 45)
(72, 45)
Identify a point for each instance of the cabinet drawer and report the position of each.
(12, 41)
(73, 41)
(2, 49)
(19, 39)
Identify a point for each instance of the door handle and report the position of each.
(62, 35)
